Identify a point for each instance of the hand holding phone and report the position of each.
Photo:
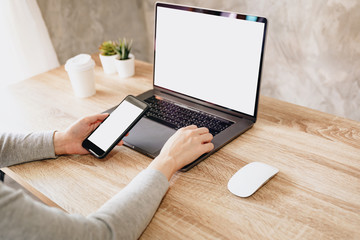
(110, 132)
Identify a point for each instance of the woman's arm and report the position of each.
(125, 216)
(18, 148)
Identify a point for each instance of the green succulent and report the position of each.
(123, 48)
(107, 48)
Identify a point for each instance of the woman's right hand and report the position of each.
(185, 146)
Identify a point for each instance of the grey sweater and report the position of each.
(125, 216)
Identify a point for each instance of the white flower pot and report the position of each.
(108, 63)
(125, 68)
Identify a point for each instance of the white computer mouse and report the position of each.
(250, 178)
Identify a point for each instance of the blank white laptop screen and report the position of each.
(208, 57)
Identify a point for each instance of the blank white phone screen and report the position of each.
(118, 121)
(212, 58)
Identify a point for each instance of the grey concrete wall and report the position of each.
(312, 53)
(80, 26)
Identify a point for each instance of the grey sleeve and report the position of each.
(18, 148)
(125, 216)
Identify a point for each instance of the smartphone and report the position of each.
(110, 132)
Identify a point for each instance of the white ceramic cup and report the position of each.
(81, 73)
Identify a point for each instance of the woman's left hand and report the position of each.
(70, 140)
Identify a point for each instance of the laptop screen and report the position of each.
(209, 55)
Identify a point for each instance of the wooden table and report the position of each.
(316, 194)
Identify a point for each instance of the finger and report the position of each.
(207, 137)
(95, 125)
(202, 130)
(207, 147)
(190, 127)
(97, 117)
(120, 143)
(101, 117)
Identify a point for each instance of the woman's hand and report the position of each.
(186, 145)
(69, 141)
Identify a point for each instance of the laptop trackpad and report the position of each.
(148, 136)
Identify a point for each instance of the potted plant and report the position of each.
(107, 56)
(125, 61)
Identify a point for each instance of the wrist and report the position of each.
(163, 165)
(59, 143)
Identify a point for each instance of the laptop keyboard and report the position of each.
(175, 116)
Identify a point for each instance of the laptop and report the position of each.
(207, 70)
